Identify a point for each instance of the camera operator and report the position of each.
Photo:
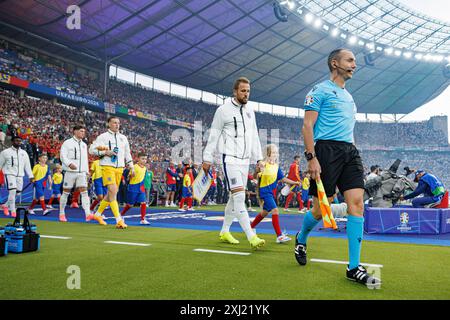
(430, 186)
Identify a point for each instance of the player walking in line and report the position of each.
(75, 163)
(268, 178)
(42, 175)
(136, 188)
(14, 163)
(234, 124)
(114, 151)
(332, 157)
(171, 182)
(187, 190)
(305, 193)
(56, 186)
(99, 189)
(294, 175)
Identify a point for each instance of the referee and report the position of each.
(332, 156)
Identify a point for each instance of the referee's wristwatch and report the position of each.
(309, 155)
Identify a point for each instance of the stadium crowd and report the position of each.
(44, 126)
(22, 65)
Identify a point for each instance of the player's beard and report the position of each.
(242, 101)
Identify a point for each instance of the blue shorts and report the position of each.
(99, 188)
(269, 203)
(38, 190)
(171, 187)
(56, 191)
(186, 193)
(305, 195)
(135, 197)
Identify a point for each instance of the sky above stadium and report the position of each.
(439, 9)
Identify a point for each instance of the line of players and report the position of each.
(113, 151)
(40, 176)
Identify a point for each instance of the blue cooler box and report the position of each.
(23, 243)
(22, 237)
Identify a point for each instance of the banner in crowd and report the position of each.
(147, 116)
(41, 89)
(121, 109)
(81, 99)
(5, 78)
(110, 108)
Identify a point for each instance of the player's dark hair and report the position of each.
(110, 118)
(78, 127)
(141, 154)
(334, 55)
(239, 81)
(296, 157)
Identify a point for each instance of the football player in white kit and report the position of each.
(235, 136)
(74, 158)
(14, 162)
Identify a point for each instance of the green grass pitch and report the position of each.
(170, 269)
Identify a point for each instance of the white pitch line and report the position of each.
(129, 243)
(55, 237)
(225, 252)
(346, 262)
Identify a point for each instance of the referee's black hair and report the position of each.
(334, 55)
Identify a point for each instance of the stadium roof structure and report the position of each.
(281, 46)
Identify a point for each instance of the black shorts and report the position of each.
(341, 166)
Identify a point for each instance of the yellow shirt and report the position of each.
(40, 173)
(57, 178)
(186, 180)
(305, 183)
(139, 174)
(269, 178)
(96, 170)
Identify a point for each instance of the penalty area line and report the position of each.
(223, 252)
(345, 262)
(54, 237)
(129, 243)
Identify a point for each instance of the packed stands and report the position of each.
(45, 124)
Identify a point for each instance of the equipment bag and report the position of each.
(22, 237)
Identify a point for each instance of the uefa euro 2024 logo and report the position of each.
(404, 218)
